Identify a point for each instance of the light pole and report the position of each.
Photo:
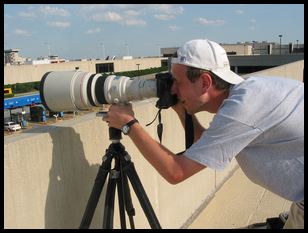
(297, 44)
(127, 49)
(280, 44)
(103, 50)
(48, 45)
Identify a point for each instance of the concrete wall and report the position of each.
(32, 73)
(49, 171)
(294, 70)
(265, 60)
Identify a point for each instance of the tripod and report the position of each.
(123, 168)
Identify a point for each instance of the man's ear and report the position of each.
(206, 80)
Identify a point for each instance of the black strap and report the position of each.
(159, 126)
(189, 130)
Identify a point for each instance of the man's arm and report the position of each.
(172, 167)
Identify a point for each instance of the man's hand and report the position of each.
(119, 115)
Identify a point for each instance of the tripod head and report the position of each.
(115, 135)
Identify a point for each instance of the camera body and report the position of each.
(78, 90)
(164, 84)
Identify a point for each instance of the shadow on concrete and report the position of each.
(71, 179)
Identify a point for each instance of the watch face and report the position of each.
(125, 129)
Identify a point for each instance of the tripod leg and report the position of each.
(96, 191)
(129, 204)
(121, 196)
(127, 198)
(109, 202)
(130, 170)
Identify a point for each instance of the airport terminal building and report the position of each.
(244, 58)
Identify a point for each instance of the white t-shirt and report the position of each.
(261, 124)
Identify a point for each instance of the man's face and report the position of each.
(188, 93)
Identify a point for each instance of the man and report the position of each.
(259, 121)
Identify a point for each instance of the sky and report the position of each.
(79, 31)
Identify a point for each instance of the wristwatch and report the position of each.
(125, 129)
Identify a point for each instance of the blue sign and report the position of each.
(21, 101)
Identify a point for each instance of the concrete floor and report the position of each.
(239, 203)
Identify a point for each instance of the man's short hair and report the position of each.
(194, 73)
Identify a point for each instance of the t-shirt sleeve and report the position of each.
(224, 139)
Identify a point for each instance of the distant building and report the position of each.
(168, 52)
(56, 59)
(38, 61)
(127, 57)
(12, 57)
(250, 48)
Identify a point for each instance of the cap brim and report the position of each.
(175, 60)
(228, 75)
(223, 73)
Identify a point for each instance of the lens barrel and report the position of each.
(71, 90)
(78, 90)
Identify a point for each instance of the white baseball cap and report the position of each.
(208, 55)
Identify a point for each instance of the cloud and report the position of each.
(127, 6)
(129, 18)
(48, 10)
(26, 14)
(85, 8)
(43, 10)
(164, 17)
(134, 22)
(167, 11)
(93, 31)
(21, 32)
(132, 13)
(110, 16)
(174, 28)
(215, 22)
(239, 12)
(59, 24)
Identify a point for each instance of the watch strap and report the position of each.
(126, 127)
(130, 123)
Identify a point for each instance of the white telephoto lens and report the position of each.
(121, 89)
